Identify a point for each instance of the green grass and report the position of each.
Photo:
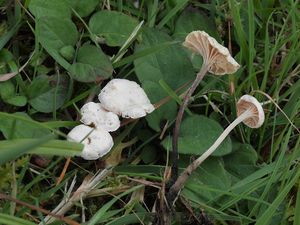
(256, 183)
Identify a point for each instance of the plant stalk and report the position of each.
(179, 183)
(199, 78)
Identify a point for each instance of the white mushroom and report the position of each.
(94, 114)
(249, 111)
(125, 98)
(216, 56)
(97, 142)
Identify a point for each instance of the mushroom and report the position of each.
(215, 56)
(249, 111)
(97, 142)
(216, 60)
(125, 98)
(94, 114)
(249, 102)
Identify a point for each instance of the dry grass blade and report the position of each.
(88, 184)
(7, 76)
(59, 217)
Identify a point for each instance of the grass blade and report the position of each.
(11, 152)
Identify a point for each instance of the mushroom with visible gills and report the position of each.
(125, 98)
(94, 114)
(249, 111)
(97, 142)
(216, 60)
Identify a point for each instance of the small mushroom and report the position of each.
(258, 116)
(249, 111)
(97, 142)
(94, 114)
(125, 98)
(215, 56)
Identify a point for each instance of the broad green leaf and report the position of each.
(91, 64)
(16, 129)
(17, 100)
(52, 94)
(84, 8)
(114, 27)
(67, 52)
(7, 90)
(241, 162)
(210, 174)
(38, 86)
(165, 112)
(54, 34)
(197, 134)
(54, 8)
(170, 64)
(190, 20)
(6, 56)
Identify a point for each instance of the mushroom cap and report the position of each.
(125, 98)
(249, 102)
(97, 142)
(214, 54)
(94, 113)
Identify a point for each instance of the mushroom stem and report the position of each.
(179, 183)
(199, 78)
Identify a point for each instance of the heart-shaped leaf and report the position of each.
(191, 20)
(7, 90)
(170, 64)
(84, 8)
(241, 162)
(9, 95)
(114, 27)
(166, 111)
(54, 34)
(91, 64)
(53, 8)
(17, 100)
(52, 92)
(197, 134)
(211, 174)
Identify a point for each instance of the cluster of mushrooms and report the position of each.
(120, 97)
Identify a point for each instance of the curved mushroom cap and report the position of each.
(247, 102)
(97, 142)
(214, 54)
(125, 98)
(94, 113)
